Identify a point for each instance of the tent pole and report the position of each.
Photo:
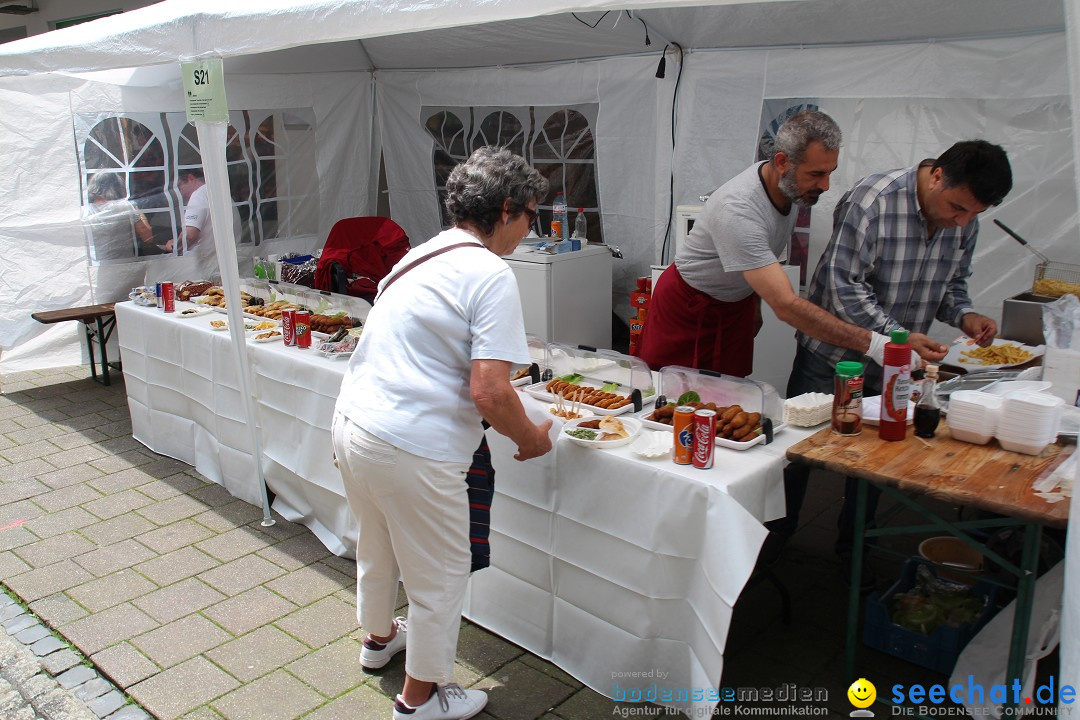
(212, 139)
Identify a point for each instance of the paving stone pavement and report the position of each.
(181, 605)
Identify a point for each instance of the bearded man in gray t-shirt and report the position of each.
(705, 307)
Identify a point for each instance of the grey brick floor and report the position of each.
(180, 598)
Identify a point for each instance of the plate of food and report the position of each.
(266, 336)
(193, 312)
(219, 325)
(1000, 354)
(605, 432)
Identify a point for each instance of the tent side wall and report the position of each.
(40, 203)
(894, 104)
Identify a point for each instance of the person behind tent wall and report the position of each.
(116, 224)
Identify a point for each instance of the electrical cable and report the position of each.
(671, 182)
(593, 26)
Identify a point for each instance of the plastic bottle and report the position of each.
(928, 409)
(895, 387)
(847, 398)
(558, 214)
(581, 225)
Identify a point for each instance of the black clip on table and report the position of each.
(98, 322)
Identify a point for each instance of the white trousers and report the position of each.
(413, 515)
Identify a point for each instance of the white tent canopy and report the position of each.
(904, 80)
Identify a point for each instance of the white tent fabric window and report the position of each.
(336, 105)
(628, 140)
(904, 80)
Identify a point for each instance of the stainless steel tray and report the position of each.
(972, 381)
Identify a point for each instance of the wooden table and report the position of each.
(98, 322)
(980, 476)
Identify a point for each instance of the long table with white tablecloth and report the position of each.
(622, 571)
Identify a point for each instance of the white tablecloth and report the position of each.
(620, 570)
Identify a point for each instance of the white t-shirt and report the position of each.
(408, 381)
(197, 215)
(739, 229)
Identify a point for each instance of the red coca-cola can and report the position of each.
(683, 424)
(704, 438)
(168, 296)
(302, 328)
(288, 326)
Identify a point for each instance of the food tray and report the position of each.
(538, 391)
(720, 442)
(724, 390)
(538, 353)
(191, 312)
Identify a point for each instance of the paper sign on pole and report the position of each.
(204, 90)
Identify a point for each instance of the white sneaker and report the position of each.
(450, 702)
(374, 655)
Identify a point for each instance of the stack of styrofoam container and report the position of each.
(1029, 421)
(973, 416)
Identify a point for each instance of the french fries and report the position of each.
(1007, 354)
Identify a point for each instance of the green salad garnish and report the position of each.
(610, 387)
(688, 397)
(572, 378)
(582, 434)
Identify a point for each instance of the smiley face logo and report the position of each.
(862, 693)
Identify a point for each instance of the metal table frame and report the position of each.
(99, 322)
(1025, 574)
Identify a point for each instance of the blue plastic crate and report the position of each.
(937, 651)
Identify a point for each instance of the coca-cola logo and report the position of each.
(702, 441)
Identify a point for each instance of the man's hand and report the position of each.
(169, 245)
(538, 445)
(979, 328)
(929, 350)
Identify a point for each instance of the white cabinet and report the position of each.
(566, 298)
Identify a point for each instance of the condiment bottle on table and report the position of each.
(928, 409)
(895, 387)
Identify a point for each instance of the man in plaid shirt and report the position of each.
(899, 257)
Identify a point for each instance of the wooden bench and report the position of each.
(98, 322)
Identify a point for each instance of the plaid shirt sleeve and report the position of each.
(847, 266)
(956, 303)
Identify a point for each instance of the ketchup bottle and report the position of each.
(895, 387)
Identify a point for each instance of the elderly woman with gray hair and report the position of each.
(434, 359)
(115, 226)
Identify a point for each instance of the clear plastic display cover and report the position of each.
(603, 381)
(702, 387)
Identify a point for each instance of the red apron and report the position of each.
(691, 328)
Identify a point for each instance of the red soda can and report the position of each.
(288, 326)
(302, 328)
(168, 297)
(704, 438)
(683, 424)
